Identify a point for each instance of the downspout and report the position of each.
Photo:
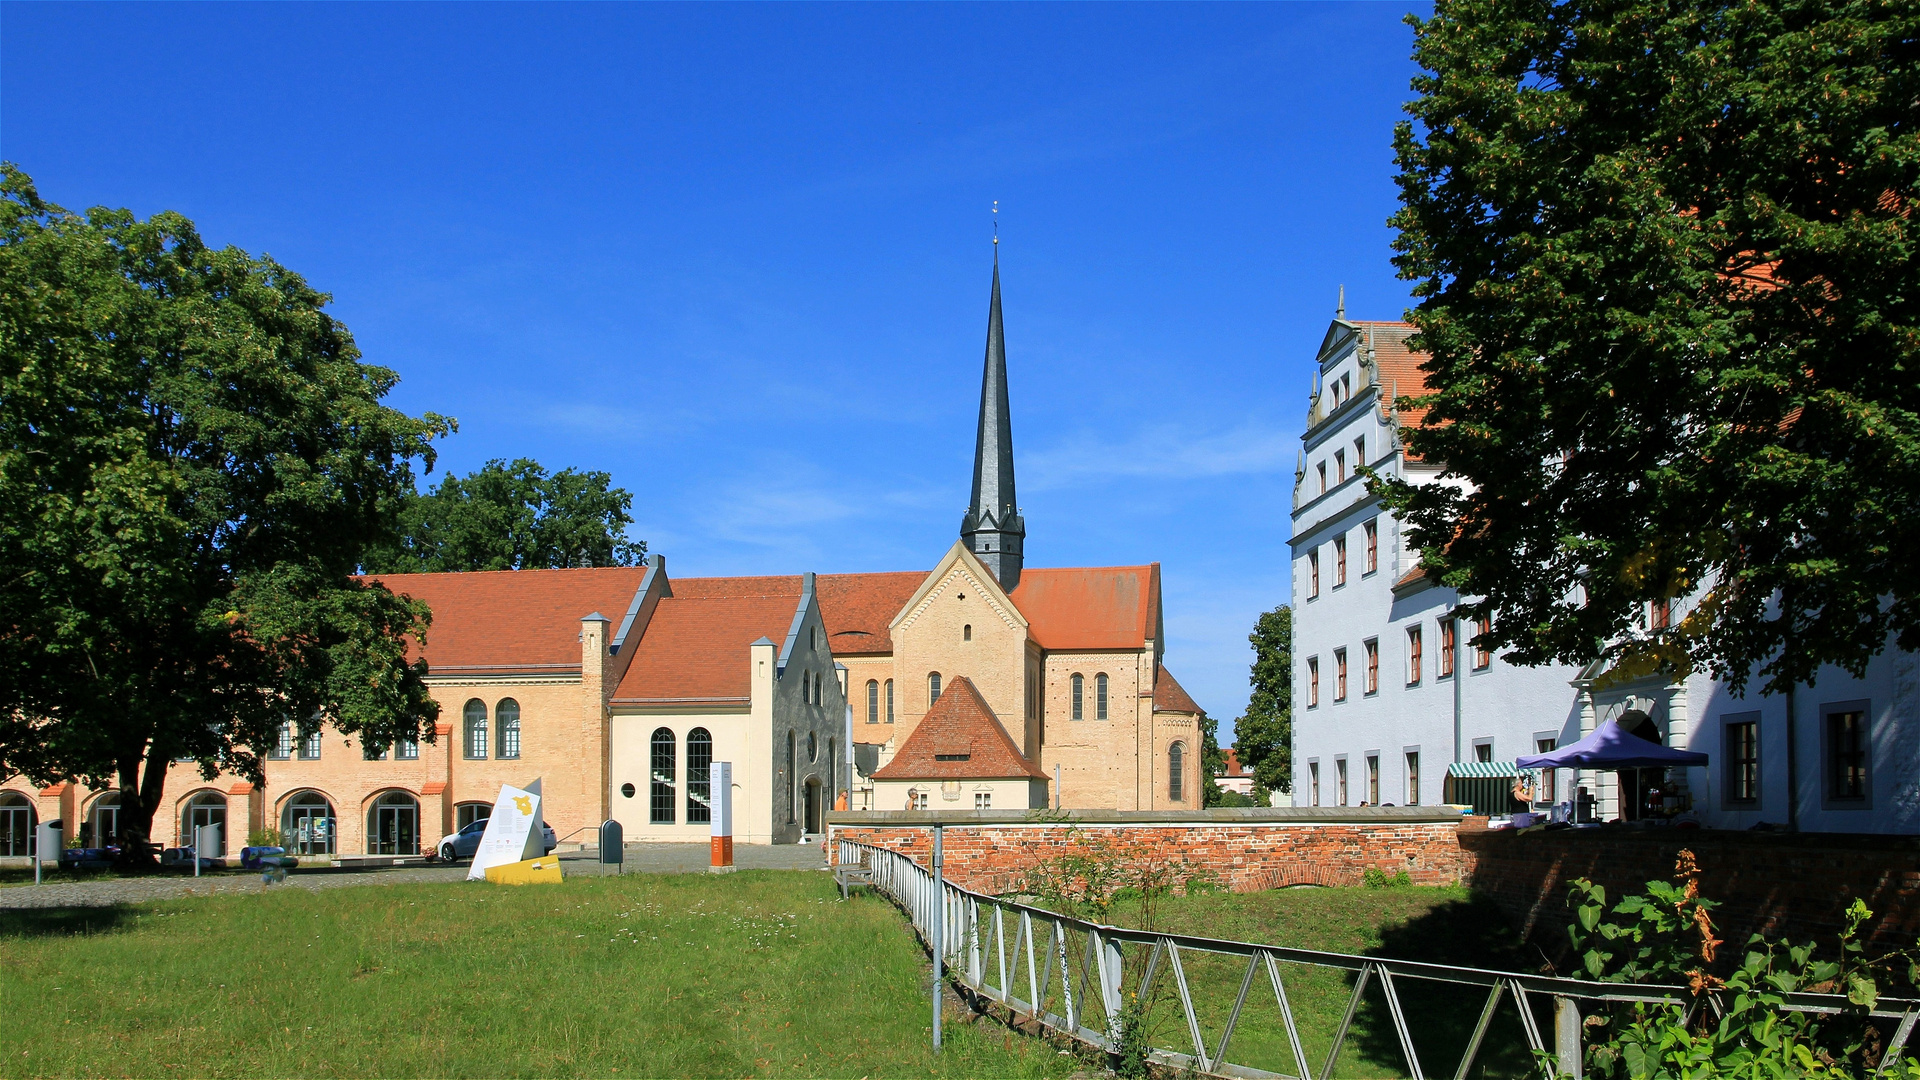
(1459, 680)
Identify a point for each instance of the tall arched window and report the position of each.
(966, 632)
(793, 777)
(1079, 689)
(889, 701)
(1100, 696)
(663, 769)
(699, 776)
(507, 716)
(873, 701)
(933, 687)
(1176, 772)
(476, 722)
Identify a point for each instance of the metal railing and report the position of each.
(1022, 957)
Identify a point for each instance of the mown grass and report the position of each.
(1438, 925)
(752, 974)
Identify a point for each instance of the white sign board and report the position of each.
(720, 797)
(513, 832)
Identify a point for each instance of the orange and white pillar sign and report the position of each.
(720, 799)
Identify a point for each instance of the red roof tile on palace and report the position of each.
(514, 620)
(1170, 696)
(1102, 607)
(695, 647)
(857, 608)
(959, 739)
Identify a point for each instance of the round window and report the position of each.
(813, 747)
(627, 790)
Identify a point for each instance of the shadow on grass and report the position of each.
(1441, 1016)
(63, 921)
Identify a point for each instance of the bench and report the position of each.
(849, 875)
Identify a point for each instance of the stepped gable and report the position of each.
(858, 608)
(695, 647)
(1100, 607)
(1170, 696)
(962, 729)
(500, 622)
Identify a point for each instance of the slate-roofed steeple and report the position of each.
(993, 529)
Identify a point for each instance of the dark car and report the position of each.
(463, 844)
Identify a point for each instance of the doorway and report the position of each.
(812, 818)
(16, 825)
(206, 808)
(393, 827)
(307, 825)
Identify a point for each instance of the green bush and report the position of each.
(1376, 878)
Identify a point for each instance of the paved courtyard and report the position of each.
(650, 858)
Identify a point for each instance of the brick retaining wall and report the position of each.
(1244, 849)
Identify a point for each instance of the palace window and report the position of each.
(933, 687)
(1339, 561)
(1078, 685)
(1313, 682)
(310, 743)
(1372, 531)
(1313, 574)
(1660, 614)
(1846, 752)
(983, 800)
(1313, 783)
(699, 776)
(873, 701)
(1339, 466)
(889, 701)
(661, 808)
(1448, 633)
(1339, 674)
(1373, 779)
(1359, 452)
(282, 742)
(1323, 477)
(966, 632)
(475, 719)
(1340, 780)
(1416, 660)
(1413, 778)
(507, 715)
(1743, 758)
(1482, 653)
(1100, 696)
(1177, 772)
(406, 750)
(1372, 645)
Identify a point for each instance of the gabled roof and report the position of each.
(695, 647)
(1170, 696)
(961, 729)
(491, 622)
(1397, 367)
(858, 608)
(1101, 607)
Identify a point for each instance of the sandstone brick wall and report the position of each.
(992, 851)
(1797, 885)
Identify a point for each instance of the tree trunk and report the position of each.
(143, 781)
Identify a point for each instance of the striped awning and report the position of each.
(1482, 769)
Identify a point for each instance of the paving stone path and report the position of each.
(654, 858)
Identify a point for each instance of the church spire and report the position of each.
(993, 529)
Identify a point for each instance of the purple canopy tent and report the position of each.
(1612, 747)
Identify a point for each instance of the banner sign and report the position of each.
(513, 832)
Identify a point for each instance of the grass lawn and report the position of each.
(1439, 925)
(752, 974)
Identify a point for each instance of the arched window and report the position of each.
(793, 777)
(873, 701)
(17, 819)
(1079, 689)
(467, 813)
(933, 688)
(507, 715)
(1176, 772)
(475, 717)
(393, 825)
(306, 824)
(1100, 696)
(699, 776)
(813, 747)
(104, 819)
(966, 632)
(205, 808)
(663, 778)
(889, 701)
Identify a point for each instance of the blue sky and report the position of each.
(738, 256)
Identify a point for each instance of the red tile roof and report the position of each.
(1103, 607)
(960, 725)
(857, 608)
(1398, 367)
(695, 647)
(1170, 696)
(1234, 768)
(497, 621)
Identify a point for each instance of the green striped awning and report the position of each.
(1482, 769)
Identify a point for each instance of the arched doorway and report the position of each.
(813, 802)
(104, 820)
(202, 809)
(307, 824)
(393, 825)
(17, 819)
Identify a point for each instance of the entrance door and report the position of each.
(201, 815)
(106, 823)
(396, 830)
(16, 829)
(813, 806)
(309, 827)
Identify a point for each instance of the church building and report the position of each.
(619, 686)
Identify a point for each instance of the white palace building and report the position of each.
(1389, 699)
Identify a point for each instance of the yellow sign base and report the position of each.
(544, 870)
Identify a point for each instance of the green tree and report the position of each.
(1666, 262)
(512, 517)
(192, 458)
(1212, 761)
(1264, 736)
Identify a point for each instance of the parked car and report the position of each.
(463, 844)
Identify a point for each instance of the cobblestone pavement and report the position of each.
(652, 858)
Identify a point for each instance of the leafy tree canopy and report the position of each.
(192, 459)
(1666, 264)
(1264, 736)
(513, 517)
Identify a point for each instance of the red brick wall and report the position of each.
(1796, 885)
(994, 858)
